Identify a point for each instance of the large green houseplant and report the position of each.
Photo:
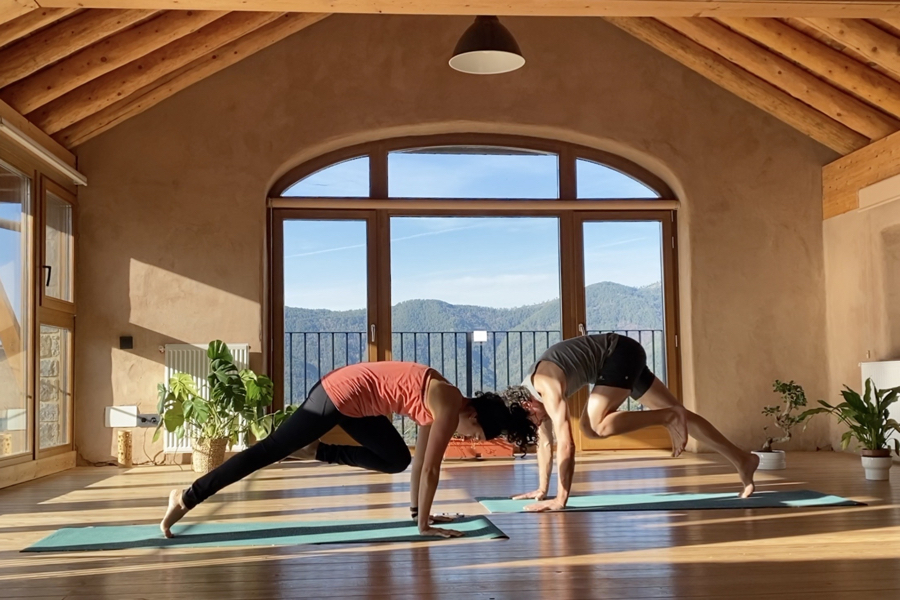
(237, 407)
(870, 424)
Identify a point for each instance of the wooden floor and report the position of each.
(827, 553)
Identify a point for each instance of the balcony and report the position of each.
(472, 361)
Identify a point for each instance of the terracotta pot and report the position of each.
(460, 449)
(207, 454)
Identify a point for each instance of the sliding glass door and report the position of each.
(16, 266)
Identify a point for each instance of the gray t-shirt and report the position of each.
(580, 358)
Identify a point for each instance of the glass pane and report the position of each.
(56, 386)
(477, 298)
(348, 179)
(325, 299)
(15, 316)
(58, 249)
(472, 172)
(623, 285)
(599, 181)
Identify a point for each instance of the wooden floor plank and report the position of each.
(804, 553)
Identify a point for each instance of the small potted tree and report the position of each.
(793, 398)
(869, 421)
(237, 408)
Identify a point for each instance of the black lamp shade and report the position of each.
(487, 48)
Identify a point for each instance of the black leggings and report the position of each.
(383, 448)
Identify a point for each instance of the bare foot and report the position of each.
(174, 513)
(306, 453)
(676, 423)
(746, 471)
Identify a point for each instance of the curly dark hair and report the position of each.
(517, 393)
(507, 418)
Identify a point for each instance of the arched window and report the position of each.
(346, 179)
(491, 168)
(469, 253)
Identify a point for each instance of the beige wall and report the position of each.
(862, 267)
(172, 225)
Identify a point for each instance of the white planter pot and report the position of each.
(878, 468)
(771, 461)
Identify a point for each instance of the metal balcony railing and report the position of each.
(500, 360)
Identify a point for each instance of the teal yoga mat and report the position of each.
(678, 501)
(291, 533)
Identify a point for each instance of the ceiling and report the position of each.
(75, 72)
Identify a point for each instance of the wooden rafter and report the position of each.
(842, 179)
(55, 43)
(555, 8)
(112, 87)
(12, 9)
(30, 22)
(873, 43)
(774, 69)
(188, 75)
(97, 60)
(823, 60)
(745, 85)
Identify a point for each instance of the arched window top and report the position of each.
(489, 167)
(472, 172)
(600, 181)
(346, 179)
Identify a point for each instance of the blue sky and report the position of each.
(490, 261)
(10, 257)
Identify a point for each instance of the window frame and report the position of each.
(568, 208)
(567, 155)
(48, 186)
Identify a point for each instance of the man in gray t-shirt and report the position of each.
(616, 368)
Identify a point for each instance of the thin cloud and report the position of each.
(396, 239)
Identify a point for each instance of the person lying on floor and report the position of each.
(616, 367)
(360, 398)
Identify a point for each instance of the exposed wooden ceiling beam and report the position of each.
(12, 9)
(873, 43)
(31, 22)
(800, 84)
(58, 41)
(548, 8)
(842, 179)
(96, 95)
(101, 58)
(754, 90)
(188, 75)
(823, 60)
(28, 128)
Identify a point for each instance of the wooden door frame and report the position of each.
(275, 356)
(571, 247)
(651, 437)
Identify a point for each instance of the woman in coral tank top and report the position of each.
(361, 399)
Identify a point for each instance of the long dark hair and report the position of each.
(509, 419)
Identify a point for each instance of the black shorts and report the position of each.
(626, 368)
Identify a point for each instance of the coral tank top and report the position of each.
(380, 388)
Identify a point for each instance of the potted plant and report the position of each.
(868, 418)
(236, 408)
(792, 398)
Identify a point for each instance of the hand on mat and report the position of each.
(440, 532)
(535, 495)
(545, 506)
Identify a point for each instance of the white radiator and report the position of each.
(885, 374)
(192, 359)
